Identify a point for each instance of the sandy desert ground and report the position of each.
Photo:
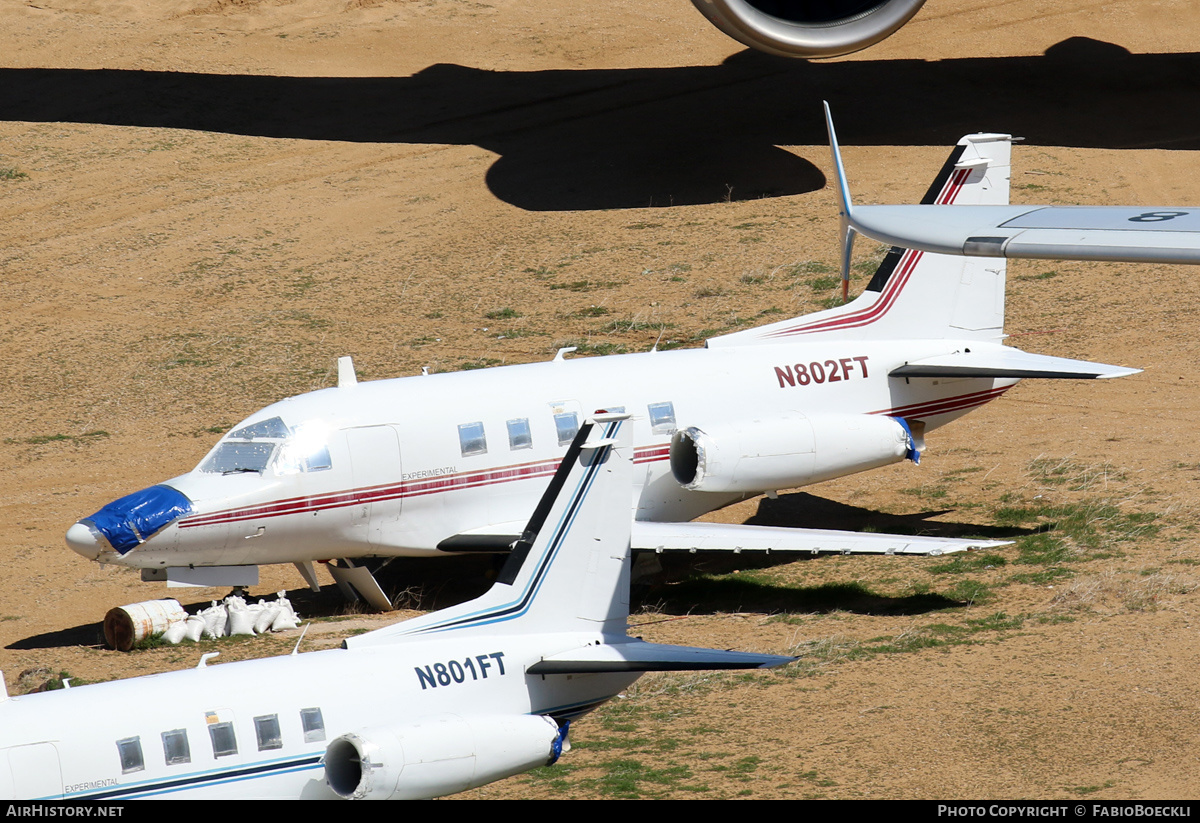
(205, 202)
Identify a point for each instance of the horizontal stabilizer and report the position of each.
(1129, 234)
(497, 537)
(666, 537)
(637, 656)
(1004, 361)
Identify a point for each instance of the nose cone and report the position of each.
(82, 540)
(125, 524)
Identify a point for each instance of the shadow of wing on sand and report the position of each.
(804, 510)
(632, 138)
(698, 591)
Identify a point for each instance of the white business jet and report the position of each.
(427, 707)
(446, 463)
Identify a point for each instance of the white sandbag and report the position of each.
(265, 618)
(241, 622)
(175, 632)
(194, 628)
(286, 620)
(287, 617)
(216, 620)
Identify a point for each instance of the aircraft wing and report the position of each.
(1129, 234)
(664, 537)
(727, 537)
(637, 656)
(1005, 361)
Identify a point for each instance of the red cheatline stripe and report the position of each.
(652, 454)
(375, 494)
(948, 404)
(953, 185)
(863, 317)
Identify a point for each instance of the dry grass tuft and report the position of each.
(1116, 591)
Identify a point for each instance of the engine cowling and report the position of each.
(786, 452)
(809, 28)
(440, 755)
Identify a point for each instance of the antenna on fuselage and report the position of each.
(658, 339)
(300, 639)
(346, 375)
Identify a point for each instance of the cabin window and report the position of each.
(130, 750)
(662, 418)
(224, 741)
(313, 724)
(305, 450)
(175, 747)
(519, 436)
(267, 730)
(567, 426)
(472, 439)
(318, 460)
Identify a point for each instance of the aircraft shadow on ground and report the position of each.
(89, 634)
(631, 138)
(413, 583)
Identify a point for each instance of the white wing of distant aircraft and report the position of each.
(1122, 234)
(428, 707)
(1127, 234)
(446, 463)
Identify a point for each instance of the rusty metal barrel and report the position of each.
(126, 626)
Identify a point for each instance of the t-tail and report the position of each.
(915, 294)
(568, 573)
(922, 295)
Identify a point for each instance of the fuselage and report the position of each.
(259, 729)
(395, 467)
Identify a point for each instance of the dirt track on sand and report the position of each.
(205, 203)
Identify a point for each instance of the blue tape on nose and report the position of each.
(136, 517)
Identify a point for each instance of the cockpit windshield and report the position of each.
(251, 448)
(273, 428)
(234, 456)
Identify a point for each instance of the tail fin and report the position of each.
(568, 571)
(916, 294)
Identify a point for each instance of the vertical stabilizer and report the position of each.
(569, 571)
(916, 294)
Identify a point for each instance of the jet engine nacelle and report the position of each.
(439, 756)
(804, 28)
(785, 452)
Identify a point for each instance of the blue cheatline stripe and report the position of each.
(519, 606)
(207, 778)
